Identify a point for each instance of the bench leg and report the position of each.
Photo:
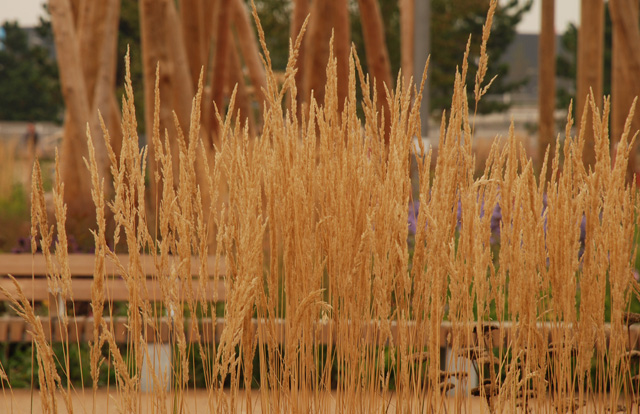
(462, 364)
(160, 365)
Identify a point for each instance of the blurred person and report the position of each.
(30, 141)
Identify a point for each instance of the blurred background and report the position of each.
(61, 61)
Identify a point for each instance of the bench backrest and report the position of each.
(30, 273)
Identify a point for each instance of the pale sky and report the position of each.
(26, 12)
(567, 11)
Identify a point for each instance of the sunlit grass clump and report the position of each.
(309, 220)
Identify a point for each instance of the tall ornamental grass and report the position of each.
(309, 221)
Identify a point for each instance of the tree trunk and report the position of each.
(547, 82)
(103, 99)
(74, 147)
(625, 65)
(243, 101)
(211, 9)
(250, 49)
(342, 46)
(220, 64)
(407, 17)
(193, 18)
(209, 12)
(377, 54)
(91, 31)
(317, 50)
(300, 13)
(183, 90)
(76, 7)
(153, 21)
(590, 67)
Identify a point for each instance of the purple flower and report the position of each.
(412, 220)
(496, 219)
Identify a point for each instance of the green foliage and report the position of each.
(15, 204)
(452, 22)
(451, 25)
(30, 89)
(275, 18)
(20, 363)
(14, 219)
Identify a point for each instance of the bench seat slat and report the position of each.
(82, 264)
(115, 290)
(14, 329)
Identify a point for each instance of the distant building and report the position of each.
(35, 40)
(522, 57)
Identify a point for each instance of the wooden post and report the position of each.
(93, 19)
(209, 11)
(407, 27)
(182, 84)
(153, 17)
(220, 64)
(211, 8)
(625, 64)
(76, 7)
(91, 28)
(546, 82)
(375, 44)
(422, 48)
(74, 147)
(317, 50)
(250, 49)
(300, 12)
(103, 98)
(192, 22)
(590, 66)
(342, 47)
(236, 79)
(327, 16)
(377, 54)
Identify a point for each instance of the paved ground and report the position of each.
(23, 402)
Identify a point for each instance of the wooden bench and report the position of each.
(30, 270)
(30, 273)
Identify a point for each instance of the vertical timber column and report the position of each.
(624, 64)
(192, 18)
(375, 46)
(407, 27)
(590, 67)
(236, 80)
(210, 9)
(182, 84)
(342, 47)
(156, 53)
(326, 18)
(74, 92)
(250, 49)
(546, 82)
(104, 98)
(220, 64)
(300, 12)
(317, 51)
(422, 48)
